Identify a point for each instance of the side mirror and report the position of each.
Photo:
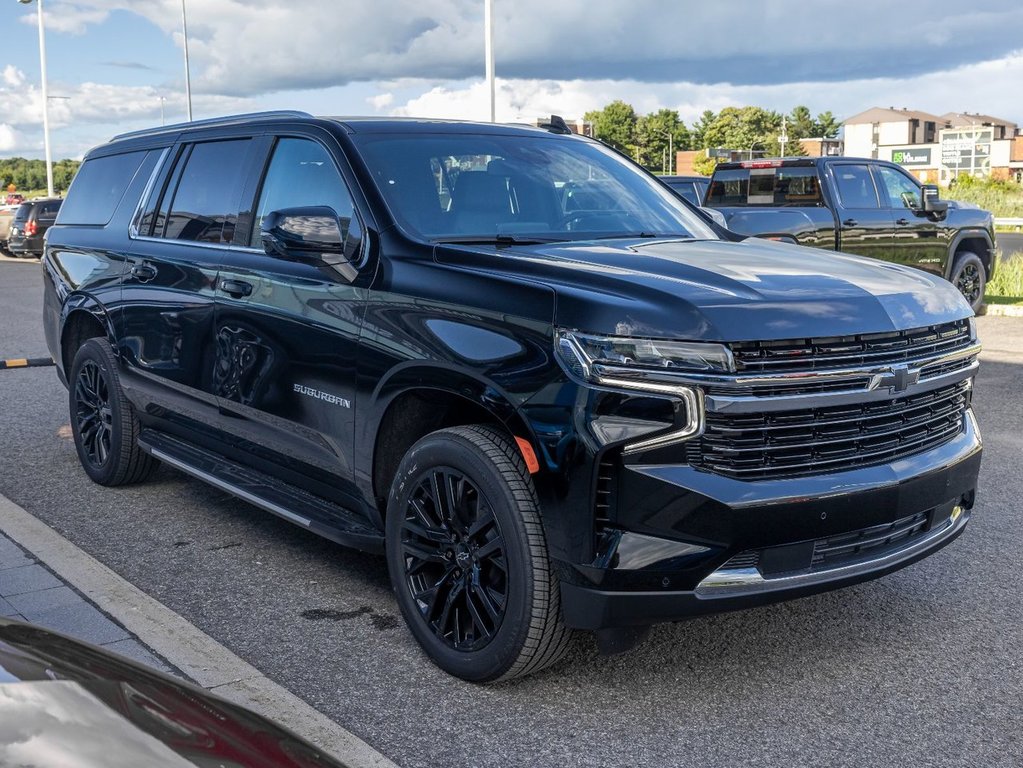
(929, 202)
(302, 234)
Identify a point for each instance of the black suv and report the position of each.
(552, 394)
(28, 229)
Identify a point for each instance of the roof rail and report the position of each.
(212, 121)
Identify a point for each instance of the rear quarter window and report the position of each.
(98, 187)
(773, 187)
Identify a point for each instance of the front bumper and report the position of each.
(675, 554)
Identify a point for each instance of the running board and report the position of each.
(290, 502)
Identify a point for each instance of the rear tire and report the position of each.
(970, 277)
(468, 560)
(103, 422)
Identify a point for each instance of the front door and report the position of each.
(919, 239)
(286, 333)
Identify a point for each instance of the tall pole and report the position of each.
(46, 103)
(671, 150)
(488, 31)
(188, 76)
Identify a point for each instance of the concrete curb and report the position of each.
(1001, 310)
(207, 662)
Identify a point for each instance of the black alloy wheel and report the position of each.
(467, 555)
(103, 422)
(968, 282)
(969, 277)
(454, 559)
(93, 416)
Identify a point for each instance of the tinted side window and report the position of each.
(23, 211)
(98, 187)
(687, 190)
(729, 187)
(903, 192)
(48, 210)
(855, 186)
(302, 173)
(205, 203)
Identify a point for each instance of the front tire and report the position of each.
(467, 556)
(970, 277)
(103, 422)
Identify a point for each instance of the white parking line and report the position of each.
(191, 650)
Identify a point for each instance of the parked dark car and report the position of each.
(856, 205)
(542, 385)
(65, 702)
(28, 229)
(692, 188)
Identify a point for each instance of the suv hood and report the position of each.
(721, 291)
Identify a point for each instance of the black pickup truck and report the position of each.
(861, 206)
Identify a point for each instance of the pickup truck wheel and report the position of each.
(103, 422)
(467, 556)
(969, 277)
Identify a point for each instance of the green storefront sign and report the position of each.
(912, 156)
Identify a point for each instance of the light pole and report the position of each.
(46, 100)
(488, 34)
(671, 148)
(751, 148)
(188, 76)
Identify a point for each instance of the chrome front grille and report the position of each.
(874, 349)
(790, 443)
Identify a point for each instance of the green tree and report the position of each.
(826, 125)
(704, 164)
(744, 129)
(699, 130)
(615, 125)
(652, 142)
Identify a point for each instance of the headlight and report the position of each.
(595, 357)
(648, 365)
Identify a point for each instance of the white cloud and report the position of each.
(13, 76)
(71, 18)
(260, 46)
(988, 87)
(9, 138)
(381, 101)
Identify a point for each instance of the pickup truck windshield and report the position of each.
(506, 188)
(773, 186)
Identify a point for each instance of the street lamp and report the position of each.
(46, 101)
(188, 76)
(751, 148)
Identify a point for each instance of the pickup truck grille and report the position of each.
(874, 349)
(790, 443)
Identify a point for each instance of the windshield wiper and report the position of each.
(498, 240)
(642, 236)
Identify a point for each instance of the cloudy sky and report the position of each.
(110, 62)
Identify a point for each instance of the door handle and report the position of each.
(850, 223)
(236, 288)
(143, 272)
(902, 222)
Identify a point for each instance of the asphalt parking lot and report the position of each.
(921, 668)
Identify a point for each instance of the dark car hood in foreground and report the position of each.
(724, 291)
(63, 702)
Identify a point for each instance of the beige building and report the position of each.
(937, 148)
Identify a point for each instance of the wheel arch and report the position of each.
(976, 241)
(82, 318)
(421, 398)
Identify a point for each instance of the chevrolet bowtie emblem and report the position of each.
(901, 377)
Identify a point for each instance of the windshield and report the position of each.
(462, 187)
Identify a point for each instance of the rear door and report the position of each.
(918, 240)
(166, 319)
(866, 226)
(287, 331)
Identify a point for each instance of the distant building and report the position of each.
(937, 148)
